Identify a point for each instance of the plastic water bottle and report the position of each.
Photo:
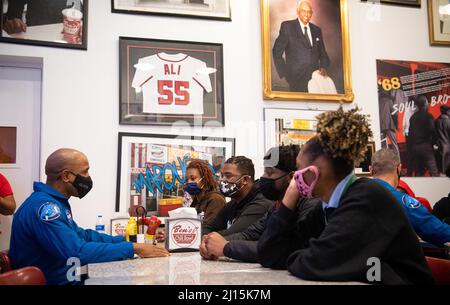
(100, 226)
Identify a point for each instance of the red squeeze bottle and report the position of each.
(153, 224)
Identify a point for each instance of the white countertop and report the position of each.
(190, 269)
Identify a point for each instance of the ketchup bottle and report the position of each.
(152, 224)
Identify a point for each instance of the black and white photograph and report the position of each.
(208, 9)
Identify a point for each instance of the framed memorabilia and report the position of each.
(8, 146)
(45, 23)
(152, 168)
(209, 9)
(415, 3)
(407, 92)
(119, 226)
(312, 64)
(289, 126)
(363, 168)
(166, 82)
(439, 22)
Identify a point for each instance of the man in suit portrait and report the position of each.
(302, 45)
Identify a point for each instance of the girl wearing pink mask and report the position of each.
(359, 233)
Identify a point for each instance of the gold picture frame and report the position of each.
(439, 23)
(344, 92)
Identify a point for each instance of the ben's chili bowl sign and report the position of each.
(184, 233)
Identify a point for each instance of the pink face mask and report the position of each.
(303, 188)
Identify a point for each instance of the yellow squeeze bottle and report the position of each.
(131, 230)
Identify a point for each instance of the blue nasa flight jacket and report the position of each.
(45, 235)
(427, 226)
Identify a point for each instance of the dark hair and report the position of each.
(314, 150)
(444, 109)
(244, 164)
(342, 138)
(205, 172)
(282, 157)
(421, 101)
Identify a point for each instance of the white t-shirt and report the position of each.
(172, 83)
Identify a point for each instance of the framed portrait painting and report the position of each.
(152, 169)
(439, 22)
(171, 82)
(56, 23)
(207, 9)
(306, 50)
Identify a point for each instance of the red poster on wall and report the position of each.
(413, 100)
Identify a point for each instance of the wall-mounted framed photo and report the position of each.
(362, 169)
(208, 9)
(439, 22)
(289, 126)
(306, 50)
(56, 23)
(152, 167)
(165, 82)
(415, 3)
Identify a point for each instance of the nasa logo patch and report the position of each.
(410, 202)
(69, 215)
(49, 211)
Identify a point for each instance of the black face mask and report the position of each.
(268, 189)
(82, 184)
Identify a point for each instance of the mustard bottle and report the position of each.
(131, 230)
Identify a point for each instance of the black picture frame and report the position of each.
(182, 10)
(126, 157)
(411, 3)
(200, 103)
(39, 35)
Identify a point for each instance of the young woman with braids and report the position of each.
(361, 233)
(202, 187)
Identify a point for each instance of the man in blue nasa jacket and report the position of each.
(45, 235)
(386, 169)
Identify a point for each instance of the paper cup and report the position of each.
(72, 25)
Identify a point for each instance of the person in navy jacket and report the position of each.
(385, 169)
(45, 235)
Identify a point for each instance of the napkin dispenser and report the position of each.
(183, 230)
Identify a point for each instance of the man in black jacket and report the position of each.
(248, 204)
(279, 166)
(442, 125)
(423, 135)
(243, 246)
